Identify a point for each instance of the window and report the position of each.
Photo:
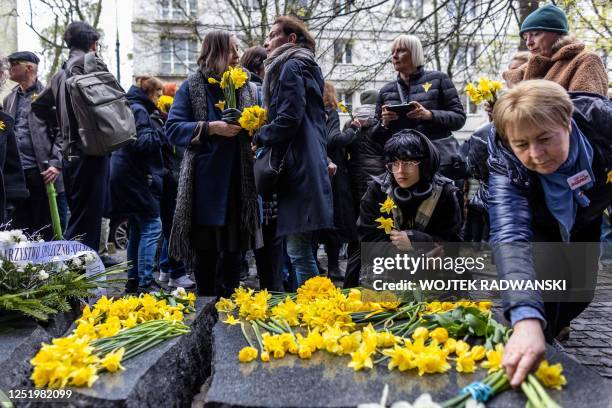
(178, 9)
(343, 6)
(461, 9)
(465, 56)
(343, 52)
(253, 4)
(406, 8)
(346, 97)
(178, 56)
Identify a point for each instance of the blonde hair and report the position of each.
(412, 44)
(522, 56)
(538, 103)
(330, 99)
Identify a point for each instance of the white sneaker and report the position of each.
(183, 282)
(163, 277)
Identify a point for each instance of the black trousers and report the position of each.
(217, 273)
(86, 179)
(269, 259)
(33, 214)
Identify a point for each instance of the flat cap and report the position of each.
(24, 56)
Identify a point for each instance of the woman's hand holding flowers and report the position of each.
(400, 240)
(222, 128)
(524, 350)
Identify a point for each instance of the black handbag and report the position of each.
(452, 163)
(269, 166)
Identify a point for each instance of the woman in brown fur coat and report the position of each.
(557, 56)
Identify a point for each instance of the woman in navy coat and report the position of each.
(217, 202)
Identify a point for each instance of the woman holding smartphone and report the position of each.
(434, 108)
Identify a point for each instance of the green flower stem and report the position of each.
(268, 327)
(532, 395)
(258, 336)
(245, 335)
(544, 397)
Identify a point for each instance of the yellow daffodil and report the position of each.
(400, 358)
(84, 376)
(361, 359)
(231, 320)
(164, 103)
(265, 356)
(551, 375)
(253, 118)
(225, 305)
(342, 107)
(350, 343)
(466, 363)
(432, 360)
(238, 76)
(385, 224)
(461, 348)
(220, 105)
(420, 333)
(112, 361)
(426, 86)
(247, 354)
(496, 86)
(478, 352)
(385, 339)
(212, 81)
(387, 206)
(494, 359)
(449, 345)
(439, 334)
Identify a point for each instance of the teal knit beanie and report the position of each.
(546, 18)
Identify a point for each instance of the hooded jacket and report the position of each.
(517, 207)
(12, 181)
(137, 169)
(571, 66)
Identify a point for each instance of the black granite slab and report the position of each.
(168, 375)
(326, 381)
(20, 340)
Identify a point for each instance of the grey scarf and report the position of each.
(274, 65)
(180, 244)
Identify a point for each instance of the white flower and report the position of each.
(472, 403)
(401, 404)
(76, 261)
(425, 401)
(179, 292)
(19, 269)
(42, 275)
(12, 237)
(89, 257)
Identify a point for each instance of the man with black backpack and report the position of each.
(94, 118)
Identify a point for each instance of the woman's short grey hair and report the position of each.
(412, 44)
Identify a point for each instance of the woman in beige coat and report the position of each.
(557, 56)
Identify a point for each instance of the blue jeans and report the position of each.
(299, 249)
(62, 208)
(145, 233)
(175, 268)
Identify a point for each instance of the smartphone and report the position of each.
(402, 108)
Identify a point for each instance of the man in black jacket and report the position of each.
(38, 144)
(86, 177)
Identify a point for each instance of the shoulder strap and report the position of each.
(89, 63)
(400, 91)
(427, 207)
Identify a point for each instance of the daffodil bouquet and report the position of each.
(231, 80)
(164, 103)
(253, 118)
(484, 90)
(108, 333)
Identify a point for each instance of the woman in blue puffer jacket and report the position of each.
(549, 164)
(137, 172)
